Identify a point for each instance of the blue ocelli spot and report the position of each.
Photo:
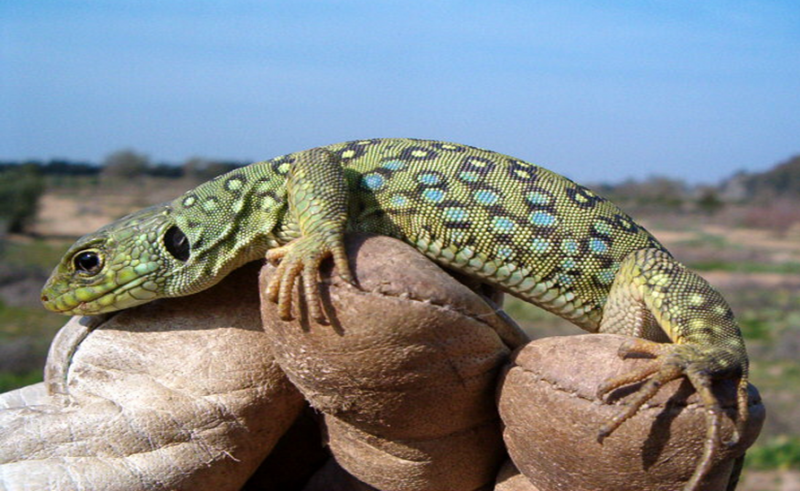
(598, 246)
(399, 201)
(537, 198)
(502, 225)
(505, 252)
(456, 214)
(540, 245)
(565, 280)
(542, 219)
(394, 165)
(486, 197)
(374, 181)
(468, 176)
(434, 195)
(569, 246)
(568, 264)
(429, 179)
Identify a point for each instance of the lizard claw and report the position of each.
(655, 375)
(670, 362)
(301, 259)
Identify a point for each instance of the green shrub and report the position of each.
(20, 189)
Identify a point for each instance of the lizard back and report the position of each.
(516, 225)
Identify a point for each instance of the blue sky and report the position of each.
(596, 90)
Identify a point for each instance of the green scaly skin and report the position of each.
(511, 224)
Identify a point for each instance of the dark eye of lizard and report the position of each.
(88, 262)
(177, 244)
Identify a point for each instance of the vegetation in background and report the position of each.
(709, 201)
(782, 181)
(26, 329)
(765, 200)
(782, 452)
(654, 194)
(125, 164)
(20, 190)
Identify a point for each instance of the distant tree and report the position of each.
(782, 180)
(20, 189)
(657, 193)
(62, 167)
(169, 171)
(709, 201)
(126, 164)
(203, 169)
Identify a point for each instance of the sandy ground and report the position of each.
(71, 215)
(59, 216)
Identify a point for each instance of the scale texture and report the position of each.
(506, 222)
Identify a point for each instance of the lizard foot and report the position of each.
(670, 362)
(301, 258)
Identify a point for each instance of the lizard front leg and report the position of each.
(655, 298)
(317, 194)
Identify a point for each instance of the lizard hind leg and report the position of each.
(704, 343)
(671, 362)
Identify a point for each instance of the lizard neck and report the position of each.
(234, 218)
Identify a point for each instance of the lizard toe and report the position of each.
(300, 260)
(654, 375)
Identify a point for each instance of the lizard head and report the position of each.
(132, 261)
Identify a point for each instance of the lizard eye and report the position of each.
(177, 244)
(88, 262)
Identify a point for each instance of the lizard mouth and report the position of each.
(89, 301)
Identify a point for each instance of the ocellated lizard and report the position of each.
(506, 222)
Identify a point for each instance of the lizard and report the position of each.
(500, 220)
